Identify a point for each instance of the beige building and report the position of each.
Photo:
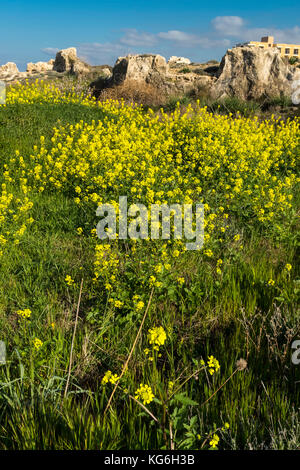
(286, 50)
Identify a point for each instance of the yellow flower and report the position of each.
(144, 393)
(213, 365)
(109, 377)
(69, 280)
(37, 343)
(139, 305)
(79, 230)
(208, 253)
(170, 386)
(26, 313)
(271, 282)
(288, 267)
(180, 281)
(157, 336)
(214, 441)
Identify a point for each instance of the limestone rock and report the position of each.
(252, 73)
(174, 60)
(139, 67)
(66, 60)
(106, 72)
(151, 69)
(9, 68)
(40, 67)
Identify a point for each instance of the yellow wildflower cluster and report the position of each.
(213, 365)
(144, 393)
(43, 92)
(138, 303)
(109, 377)
(14, 218)
(214, 441)
(69, 280)
(26, 313)
(240, 168)
(106, 264)
(157, 337)
(37, 343)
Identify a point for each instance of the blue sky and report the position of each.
(101, 31)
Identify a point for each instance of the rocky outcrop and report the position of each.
(252, 73)
(139, 68)
(106, 72)
(40, 67)
(174, 60)
(145, 67)
(9, 68)
(66, 60)
(150, 69)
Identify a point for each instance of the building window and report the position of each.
(296, 51)
(287, 51)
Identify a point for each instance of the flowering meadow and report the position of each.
(143, 344)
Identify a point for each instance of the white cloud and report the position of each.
(100, 53)
(178, 36)
(192, 40)
(134, 38)
(235, 26)
(228, 25)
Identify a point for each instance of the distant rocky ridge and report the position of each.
(65, 62)
(244, 72)
(40, 67)
(154, 70)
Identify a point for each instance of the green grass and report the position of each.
(21, 125)
(236, 315)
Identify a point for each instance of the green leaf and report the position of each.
(185, 400)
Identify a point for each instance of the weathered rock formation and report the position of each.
(40, 67)
(9, 68)
(252, 73)
(174, 60)
(66, 60)
(146, 67)
(150, 69)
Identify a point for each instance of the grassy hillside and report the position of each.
(167, 326)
